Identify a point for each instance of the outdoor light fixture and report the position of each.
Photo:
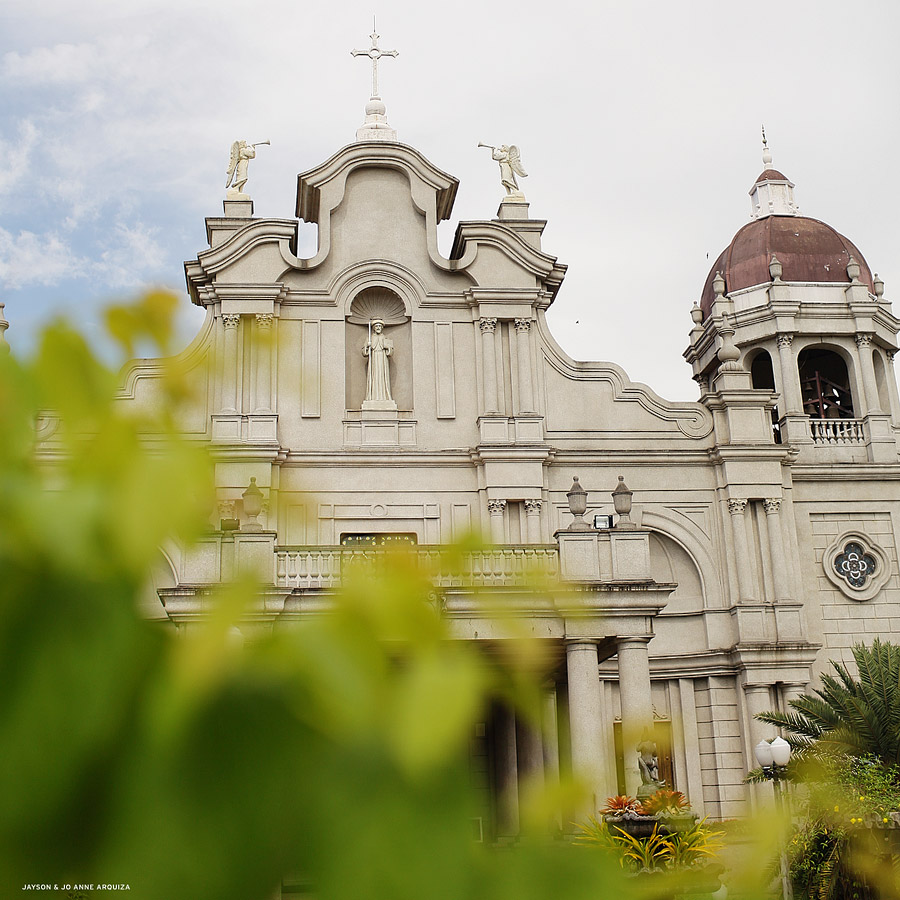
(773, 757)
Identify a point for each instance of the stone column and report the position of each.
(523, 352)
(489, 364)
(790, 377)
(550, 727)
(892, 385)
(636, 703)
(741, 549)
(229, 363)
(759, 700)
(498, 532)
(533, 520)
(585, 721)
(867, 370)
(780, 575)
(507, 774)
(263, 351)
(791, 692)
(529, 757)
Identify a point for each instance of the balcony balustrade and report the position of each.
(837, 432)
(499, 566)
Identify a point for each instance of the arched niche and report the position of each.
(825, 384)
(378, 303)
(670, 562)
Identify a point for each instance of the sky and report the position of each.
(638, 124)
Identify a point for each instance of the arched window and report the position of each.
(824, 384)
(763, 378)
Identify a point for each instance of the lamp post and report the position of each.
(773, 757)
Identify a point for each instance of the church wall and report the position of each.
(843, 621)
(721, 753)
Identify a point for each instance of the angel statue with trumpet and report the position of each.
(510, 166)
(236, 174)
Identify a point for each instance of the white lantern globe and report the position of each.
(781, 751)
(763, 751)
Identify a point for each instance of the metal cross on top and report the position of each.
(374, 53)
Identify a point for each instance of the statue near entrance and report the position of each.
(648, 762)
(510, 166)
(378, 350)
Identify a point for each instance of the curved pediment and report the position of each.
(326, 182)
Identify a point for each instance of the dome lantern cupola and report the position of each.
(773, 193)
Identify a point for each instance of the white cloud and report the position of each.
(61, 64)
(29, 258)
(131, 256)
(16, 155)
(134, 255)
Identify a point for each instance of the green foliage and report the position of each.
(333, 753)
(857, 716)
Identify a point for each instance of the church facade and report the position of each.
(712, 556)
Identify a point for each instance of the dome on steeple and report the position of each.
(809, 251)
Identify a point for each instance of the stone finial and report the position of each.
(696, 313)
(879, 287)
(719, 285)
(577, 497)
(622, 502)
(775, 269)
(253, 504)
(767, 153)
(4, 347)
(853, 271)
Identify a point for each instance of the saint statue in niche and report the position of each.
(377, 350)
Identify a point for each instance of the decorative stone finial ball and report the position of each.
(375, 108)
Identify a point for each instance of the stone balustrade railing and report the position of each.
(837, 431)
(499, 566)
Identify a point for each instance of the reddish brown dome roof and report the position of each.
(771, 175)
(808, 250)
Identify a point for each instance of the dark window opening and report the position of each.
(824, 385)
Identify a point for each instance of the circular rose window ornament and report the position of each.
(856, 565)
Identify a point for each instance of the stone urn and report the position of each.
(636, 825)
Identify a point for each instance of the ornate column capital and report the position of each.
(264, 320)
(784, 340)
(533, 507)
(231, 320)
(890, 354)
(496, 507)
(772, 506)
(523, 326)
(864, 339)
(737, 507)
(487, 326)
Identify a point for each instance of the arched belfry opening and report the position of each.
(379, 364)
(824, 384)
(762, 376)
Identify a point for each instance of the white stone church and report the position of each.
(379, 393)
